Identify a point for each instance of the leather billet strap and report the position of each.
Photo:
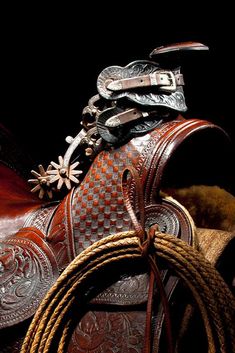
(165, 80)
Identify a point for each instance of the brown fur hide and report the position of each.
(209, 206)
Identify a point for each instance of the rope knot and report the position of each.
(147, 246)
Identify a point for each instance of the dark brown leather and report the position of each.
(47, 237)
(176, 47)
(99, 209)
(16, 202)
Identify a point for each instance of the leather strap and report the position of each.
(139, 226)
(178, 47)
(125, 117)
(166, 80)
(146, 246)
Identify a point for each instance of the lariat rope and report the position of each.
(50, 329)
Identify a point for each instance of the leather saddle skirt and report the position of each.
(39, 240)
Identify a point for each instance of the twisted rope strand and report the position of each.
(64, 337)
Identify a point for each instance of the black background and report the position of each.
(51, 56)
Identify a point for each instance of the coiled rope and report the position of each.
(214, 299)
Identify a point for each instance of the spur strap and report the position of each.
(165, 80)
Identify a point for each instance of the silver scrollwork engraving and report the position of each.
(174, 100)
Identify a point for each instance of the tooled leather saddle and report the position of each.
(136, 123)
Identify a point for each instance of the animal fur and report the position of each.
(209, 206)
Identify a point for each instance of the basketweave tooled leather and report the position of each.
(57, 233)
(97, 206)
(103, 212)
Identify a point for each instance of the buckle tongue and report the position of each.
(172, 82)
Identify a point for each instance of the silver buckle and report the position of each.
(172, 80)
